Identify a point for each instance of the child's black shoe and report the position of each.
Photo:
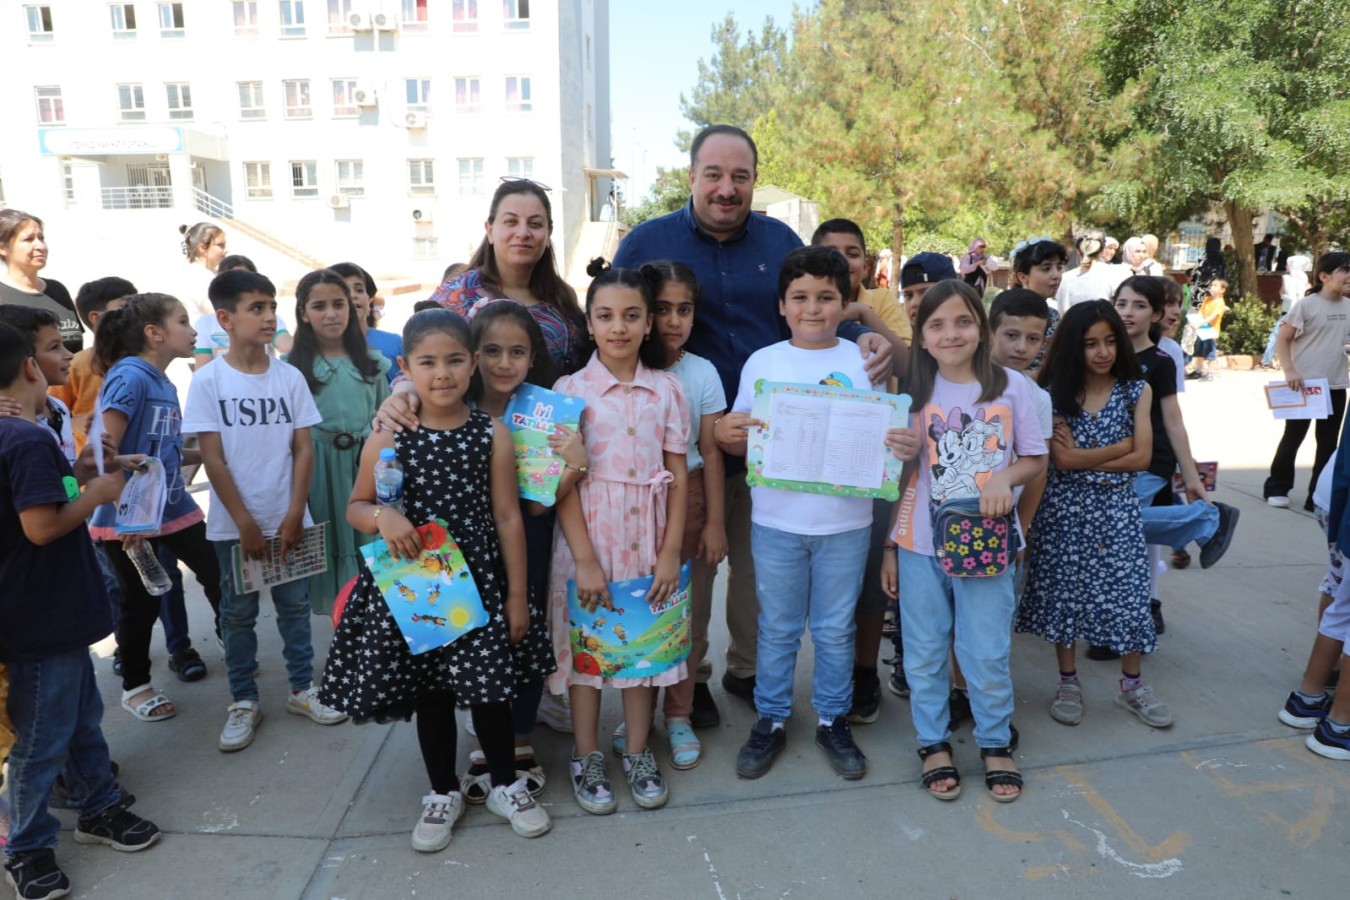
(35, 876)
(117, 827)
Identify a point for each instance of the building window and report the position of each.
(68, 183)
(470, 177)
(517, 14)
(520, 166)
(304, 179)
(170, 20)
(421, 177)
(251, 100)
(518, 94)
(258, 179)
(131, 102)
(180, 100)
(292, 18)
(246, 19)
(51, 110)
(339, 16)
(39, 24)
(123, 17)
(465, 15)
(414, 15)
(297, 100)
(344, 98)
(424, 248)
(467, 99)
(419, 94)
(351, 178)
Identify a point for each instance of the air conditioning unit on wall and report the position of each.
(364, 95)
(359, 21)
(416, 119)
(339, 201)
(384, 21)
(421, 216)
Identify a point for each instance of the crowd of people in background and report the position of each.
(1040, 413)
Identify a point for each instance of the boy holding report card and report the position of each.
(810, 549)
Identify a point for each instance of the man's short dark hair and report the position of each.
(1018, 303)
(721, 129)
(227, 287)
(15, 347)
(821, 262)
(839, 226)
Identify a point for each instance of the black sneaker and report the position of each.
(1180, 559)
(1155, 610)
(739, 687)
(866, 696)
(1298, 713)
(1327, 741)
(836, 739)
(898, 684)
(757, 754)
(35, 876)
(1098, 653)
(60, 798)
(117, 827)
(1212, 550)
(958, 701)
(704, 714)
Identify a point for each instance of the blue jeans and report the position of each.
(172, 610)
(801, 579)
(979, 612)
(239, 615)
(1176, 525)
(57, 714)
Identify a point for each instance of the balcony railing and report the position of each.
(138, 197)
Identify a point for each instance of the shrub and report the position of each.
(1246, 328)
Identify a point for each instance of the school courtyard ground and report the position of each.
(1226, 803)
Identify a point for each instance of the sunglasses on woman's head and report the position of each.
(513, 179)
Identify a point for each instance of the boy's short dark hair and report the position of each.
(820, 262)
(227, 287)
(15, 347)
(235, 261)
(839, 226)
(94, 296)
(423, 305)
(28, 319)
(1019, 303)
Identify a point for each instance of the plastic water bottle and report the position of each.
(389, 480)
(153, 576)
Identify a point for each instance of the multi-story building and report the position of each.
(371, 130)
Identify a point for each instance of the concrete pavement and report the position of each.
(1227, 802)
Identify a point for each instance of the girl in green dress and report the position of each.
(349, 382)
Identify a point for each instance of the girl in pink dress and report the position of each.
(625, 520)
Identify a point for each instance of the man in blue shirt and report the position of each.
(736, 256)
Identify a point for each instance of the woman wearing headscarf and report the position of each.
(1138, 260)
(975, 267)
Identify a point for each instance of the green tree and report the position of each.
(1237, 103)
(669, 192)
(742, 80)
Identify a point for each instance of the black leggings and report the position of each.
(140, 610)
(437, 735)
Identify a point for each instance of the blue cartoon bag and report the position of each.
(971, 545)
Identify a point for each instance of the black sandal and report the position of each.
(187, 665)
(941, 773)
(994, 779)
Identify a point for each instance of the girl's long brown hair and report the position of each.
(923, 367)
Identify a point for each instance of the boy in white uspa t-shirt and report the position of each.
(809, 549)
(252, 415)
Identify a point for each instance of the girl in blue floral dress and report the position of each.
(1088, 576)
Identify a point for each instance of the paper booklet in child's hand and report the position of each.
(433, 598)
(632, 640)
(140, 508)
(532, 414)
(308, 557)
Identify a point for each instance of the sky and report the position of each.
(654, 49)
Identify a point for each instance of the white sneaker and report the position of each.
(306, 703)
(241, 725)
(1278, 502)
(555, 712)
(514, 803)
(440, 812)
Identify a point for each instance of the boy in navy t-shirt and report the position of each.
(53, 607)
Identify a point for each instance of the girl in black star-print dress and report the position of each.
(458, 466)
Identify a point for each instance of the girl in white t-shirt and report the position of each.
(970, 419)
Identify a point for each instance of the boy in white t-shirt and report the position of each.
(252, 415)
(809, 549)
